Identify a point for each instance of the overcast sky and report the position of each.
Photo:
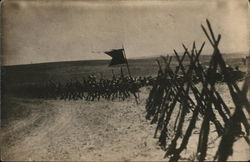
(47, 31)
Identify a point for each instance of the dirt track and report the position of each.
(80, 130)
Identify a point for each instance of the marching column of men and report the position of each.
(90, 89)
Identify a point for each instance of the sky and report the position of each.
(36, 31)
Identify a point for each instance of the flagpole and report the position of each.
(124, 54)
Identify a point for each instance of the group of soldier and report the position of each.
(117, 87)
(89, 88)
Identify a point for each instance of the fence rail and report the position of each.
(171, 93)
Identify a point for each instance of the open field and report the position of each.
(82, 130)
(36, 129)
(65, 71)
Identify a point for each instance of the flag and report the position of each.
(117, 57)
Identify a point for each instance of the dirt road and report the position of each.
(80, 130)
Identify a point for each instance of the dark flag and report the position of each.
(117, 57)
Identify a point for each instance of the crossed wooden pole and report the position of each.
(171, 88)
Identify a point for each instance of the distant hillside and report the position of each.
(63, 71)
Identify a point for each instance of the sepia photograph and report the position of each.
(125, 80)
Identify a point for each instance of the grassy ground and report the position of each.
(64, 71)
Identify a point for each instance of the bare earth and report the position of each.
(81, 130)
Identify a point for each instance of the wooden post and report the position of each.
(124, 54)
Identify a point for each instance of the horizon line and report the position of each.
(132, 58)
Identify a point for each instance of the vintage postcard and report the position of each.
(125, 80)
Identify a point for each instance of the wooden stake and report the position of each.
(124, 54)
